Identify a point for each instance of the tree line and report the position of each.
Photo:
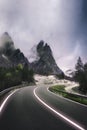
(80, 75)
(15, 75)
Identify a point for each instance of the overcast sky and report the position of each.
(60, 23)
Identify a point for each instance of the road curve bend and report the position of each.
(26, 109)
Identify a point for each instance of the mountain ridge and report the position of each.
(9, 52)
(46, 64)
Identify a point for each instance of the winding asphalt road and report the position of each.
(35, 108)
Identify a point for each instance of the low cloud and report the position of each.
(70, 60)
(60, 23)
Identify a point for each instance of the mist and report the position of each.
(60, 23)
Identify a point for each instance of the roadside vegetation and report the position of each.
(80, 75)
(14, 76)
(59, 89)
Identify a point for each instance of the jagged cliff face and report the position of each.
(9, 55)
(46, 64)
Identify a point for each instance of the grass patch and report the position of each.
(60, 89)
(77, 99)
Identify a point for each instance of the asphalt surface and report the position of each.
(24, 112)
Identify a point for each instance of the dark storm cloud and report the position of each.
(84, 11)
(83, 30)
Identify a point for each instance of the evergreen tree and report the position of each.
(85, 73)
(14, 76)
(79, 65)
(27, 74)
(81, 75)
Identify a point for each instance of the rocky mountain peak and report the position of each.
(40, 45)
(8, 50)
(46, 64)
(6, 34)
(6, 43)
(5, 38)
(43, 47)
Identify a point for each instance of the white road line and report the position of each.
(57, 113)
(6, 99)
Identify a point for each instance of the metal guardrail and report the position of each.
(6, 90)
(11, 88)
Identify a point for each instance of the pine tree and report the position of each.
(81, 74)
(79, 65)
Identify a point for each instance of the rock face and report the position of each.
(46, 64)
(9, 55)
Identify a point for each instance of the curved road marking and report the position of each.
(6, 99)
(57, 113)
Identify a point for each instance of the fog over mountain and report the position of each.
(9, 55)
(61, 23)
(45, 64)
